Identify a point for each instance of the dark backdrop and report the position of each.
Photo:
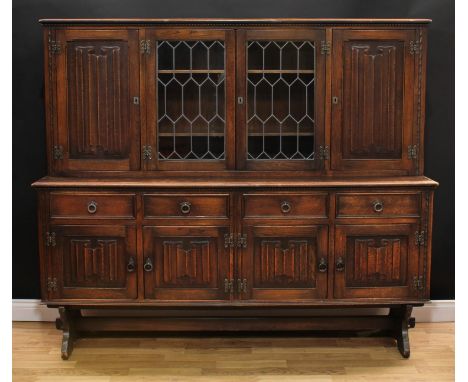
(29, 158)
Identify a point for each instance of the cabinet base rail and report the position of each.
(395, 324)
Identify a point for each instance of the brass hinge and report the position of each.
(324, 152)
(145, 46)
(412, 151)
(418, 282)
(325, 47)
(51, 284)
(58, 152)
(241, 241)
(50, 239)
(229, 240)
(54, 47)
(228, 285)
(147, 153)
(415, 47)
(242, 285)
(420, 238)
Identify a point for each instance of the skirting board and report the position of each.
(435, 311)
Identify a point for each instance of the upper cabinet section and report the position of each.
(97, 96)
(319, 98)
(373, 98)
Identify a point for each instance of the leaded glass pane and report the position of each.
(191, 100)
(280, 100)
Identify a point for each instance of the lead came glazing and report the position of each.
(191, 100)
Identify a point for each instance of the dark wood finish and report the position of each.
(378, 205)
(372, 119)
(285, 205)
(92, 205)
(282, 263)
(377, 261)
(97, 78)
(186, 205)
(189, 263)
(91, 262)
(235, 243)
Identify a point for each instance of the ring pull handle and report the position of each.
(377, 205)
(285, 207)
(185, 207)
(148, 266)
(322, 266)
(131, 266)
(340, 265)
(92, 207)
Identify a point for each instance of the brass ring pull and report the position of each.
(340, 265)
(185, 207)
(131, 265)
(148, 266)
(377, 205)
(92, 207)
(285, 207)
(322, 266)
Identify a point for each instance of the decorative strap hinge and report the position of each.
(412, 151)
(58, 152)
(420, 238)
(241, 241)
(324, 152)
(418, 282)
(229, 240)
(52, 284)
(147, 153)
(54, 47)
(325, 47)
(145, 46)
(415, 47)
(50, 239)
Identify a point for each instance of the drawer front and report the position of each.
(378, 205)
(186, 206)
(92, 205)
(285, 205)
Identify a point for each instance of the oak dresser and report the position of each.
(234, 174)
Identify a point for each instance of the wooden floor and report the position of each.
(36, 357)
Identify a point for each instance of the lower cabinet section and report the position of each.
(376, 261)
(93, 262)
(284, 263)
(185, 263)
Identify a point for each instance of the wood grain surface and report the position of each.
(36, 357)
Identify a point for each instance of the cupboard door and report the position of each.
(190, 99)
(375, 261)
(185, 263)
(94, 262)
(97, 117)
(280, 99)
(373, 93)
(283, 263)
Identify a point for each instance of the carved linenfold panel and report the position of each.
(373, 99)
(187, 262)
(285, 263)
(98, 97)
(94, 263)
(376, 261)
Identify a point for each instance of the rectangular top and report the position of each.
(231, 21)
(185, 182)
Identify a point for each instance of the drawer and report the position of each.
(285, 205)
(378, 205)
(92, 205)
(186, 206)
